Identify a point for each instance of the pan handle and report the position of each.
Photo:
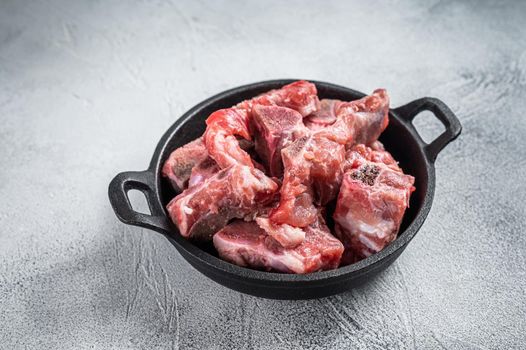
(143, 181)
(409, 111)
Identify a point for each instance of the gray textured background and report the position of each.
(87, 89)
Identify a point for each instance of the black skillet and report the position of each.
(400, 138)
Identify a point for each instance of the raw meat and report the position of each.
(296, 206)
(326, 168)
(324, 116)
(369, 116)
(246, 244)
(235, 192)
(178, 167)
(313, 164)
(224, 125)
(313, 170)
(300, 96)
(191, 164)
(287, 236)
(274, 128)
(360, 153)
(371, 204)
(372, 117)
(202, 171)
(220, 137)
(313, 173)
(314, 154)
(360, 121)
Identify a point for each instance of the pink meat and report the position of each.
(191, 164)
(360, 153)
(300, 96)
(313, 164)
(371, 204)
(287, 236)
(326, 168)
(235, 192)
(203, 171)
(224, 125)
(246, 244)
(313, 172)
(222, 129)
(359, 121)
(324, 116)
(296, 206)
(178, 167)
(368, 116)
(274, 128)
(323, 149)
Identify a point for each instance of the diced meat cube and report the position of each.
(313, 164)
(371, 204)
(222, 128)
(324, 116)
(296, 206)
(273, 129)
(359, 121)
(235, 192)
(178, 167)
(300, 96)
(360, 153)
(202, 171)
(246, 244)
(313, 171)
(369, 116)
(326, 168)
(191, 164)
(286, 235)
(224, 125)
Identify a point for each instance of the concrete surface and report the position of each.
(87, 89)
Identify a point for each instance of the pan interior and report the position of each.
(397, 139)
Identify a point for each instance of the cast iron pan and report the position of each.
(400, 138)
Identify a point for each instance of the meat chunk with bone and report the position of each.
(235, 192)
(178, 167)
(326, 169)
(247, 244)
(225, 124)
(203, 171)
(313, 174)
(296, 197)
(373, 198)
(360, 121)
(313, 164)
(287, 236)
(300, 96)
(324, 116)
(368, 116)
(274, 128)
(191, 164)
(360, 153)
